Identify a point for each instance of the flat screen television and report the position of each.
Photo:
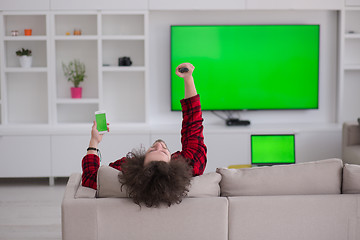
(272, 149)
(248, 67)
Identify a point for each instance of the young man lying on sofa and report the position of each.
(157, 176)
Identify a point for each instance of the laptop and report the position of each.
(272, 149)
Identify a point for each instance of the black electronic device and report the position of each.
(183, 70)
(125, 61)
(237, 122)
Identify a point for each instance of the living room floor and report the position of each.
(30, 209)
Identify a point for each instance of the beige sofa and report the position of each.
(318, 200)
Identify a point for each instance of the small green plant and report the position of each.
(23, 52)
(74, 72)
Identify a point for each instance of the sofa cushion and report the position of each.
(206, 185)
(320, 177)
(108, 185)
(351, 179)
(85, 192)
(351, 154)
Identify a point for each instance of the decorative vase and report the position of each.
(76, 92)
(25, 61)
(27, 32)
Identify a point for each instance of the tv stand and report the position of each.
(237, 122)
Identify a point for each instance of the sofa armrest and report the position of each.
(351, 134)
(72, 186)
(78, 215)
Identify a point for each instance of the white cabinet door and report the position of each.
(67, 152)
(196, 5)
(25, 156)
(295, 4)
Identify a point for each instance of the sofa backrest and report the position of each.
(320, 177)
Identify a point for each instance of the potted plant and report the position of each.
(25, 57)
(75, 73)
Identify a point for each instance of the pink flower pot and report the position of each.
(76, 92)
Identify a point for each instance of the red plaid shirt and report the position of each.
(192, 140)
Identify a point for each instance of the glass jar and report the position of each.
(14, 33)
(77, 31)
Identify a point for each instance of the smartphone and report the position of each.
(100, 118)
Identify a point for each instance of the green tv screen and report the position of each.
(248, 67)
(272, 149)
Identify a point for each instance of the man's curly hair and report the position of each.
(157, 182)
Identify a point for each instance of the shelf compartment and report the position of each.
(352, 52)
(350, 107)
(20, 22)
(116, 24)
(27, 98)
(86, 52)
(352, 20)
(38, 48)
(67, 23)
(76, 113)
(113, 49)
(124, 96)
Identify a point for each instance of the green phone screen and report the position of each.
(101, 122)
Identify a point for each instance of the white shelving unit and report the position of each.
(349, 82)
(41, 94)
(106, 36)
(25, 91)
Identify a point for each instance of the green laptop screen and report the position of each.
(272, 149)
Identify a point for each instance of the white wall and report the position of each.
(160, 21)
